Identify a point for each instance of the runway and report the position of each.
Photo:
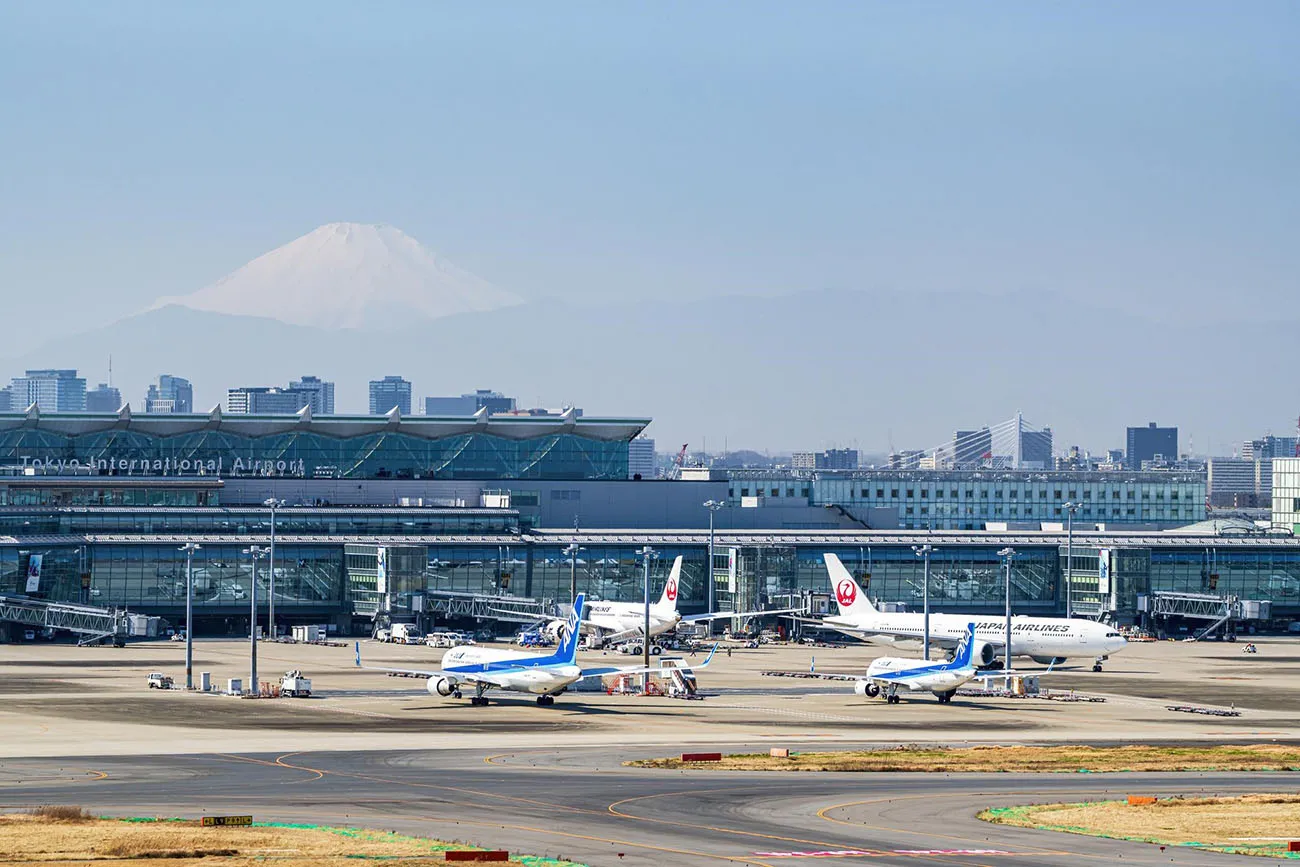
(584, 805)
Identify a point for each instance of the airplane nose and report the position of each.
(1115, 645)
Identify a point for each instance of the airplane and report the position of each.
(615, 621)
(1045, 640)
(486, 668)
(888, 673)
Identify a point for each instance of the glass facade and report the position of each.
(84, 492)
(1286, 494)
(334, 447)
(254, 521)
(968, 501)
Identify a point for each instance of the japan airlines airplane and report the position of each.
(888, 673)
(485, 668)
(609, 622)
(1043, 639)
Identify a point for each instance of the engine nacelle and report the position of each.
(1048, 660)
(867, 687)
(441, 686)
(984, 654)
(556, 630)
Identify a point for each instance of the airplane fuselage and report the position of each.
(510, 670)
(910, 674)
(617, 618)
(1040, 637)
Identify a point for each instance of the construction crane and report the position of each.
(676, 471)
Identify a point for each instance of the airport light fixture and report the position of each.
(1007, 554)
(271, 503)
(189, 548)
(1070, 509)
(572, 551)
(712, 506)
(255, 552)
(647, 552)
(924, 551)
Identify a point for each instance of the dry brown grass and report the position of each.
(1243, 824)
(49, 835)
(60, 813)
(1019, 759)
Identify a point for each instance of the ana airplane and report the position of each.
(486, 668)
(1046, 640)
(888, 673)
(609, 622)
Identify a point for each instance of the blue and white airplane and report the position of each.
(545, 676)
(888, 673)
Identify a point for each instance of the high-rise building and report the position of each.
(837, 459)
(103, 398)
(641, 458)
(321, 392)
(467, 404)
(266, 401)
(1147, 443)
(390, 392)
(6, 399)
(50, 390)
(171, 394)
(1270, 447)
(1036, 449)
(970, 448)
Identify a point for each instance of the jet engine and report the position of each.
(866, 687)
(556, 630)
(441, 686)
(985, 654)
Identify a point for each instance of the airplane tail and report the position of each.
(668, 599)
(848, 595)
(965, 648)
(567, 652)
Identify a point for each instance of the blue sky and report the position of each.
(1141, 155)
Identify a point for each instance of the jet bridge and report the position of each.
(87, 621)
(1216, 611)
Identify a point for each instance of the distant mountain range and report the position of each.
(803, 371)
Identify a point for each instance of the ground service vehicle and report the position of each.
(158, 680)
(294, 685)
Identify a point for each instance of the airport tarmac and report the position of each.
(582, 804)
(78, 725)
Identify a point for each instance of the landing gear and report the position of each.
(546, 700)
(944, 697)
(457, 694)
(1096, 663)
(477, 699)
(891, 697)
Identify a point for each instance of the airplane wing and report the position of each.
(605, 671)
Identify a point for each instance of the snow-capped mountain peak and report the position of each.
(348, 275)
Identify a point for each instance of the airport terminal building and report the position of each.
(404, 514)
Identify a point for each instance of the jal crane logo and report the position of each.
(671, 591)
(846, 592)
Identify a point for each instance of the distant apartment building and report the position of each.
(467, 404)
(908, 459)
(266, 401)
(1150, 446)
(1228, 479)
(6, 399)
(103, 398)
(169, 395)
(971, 448)
(390, 392)
(1036, 449)
(831, 459)
(320, 394)
(50, 390)
(1286, 494)
(641, 458)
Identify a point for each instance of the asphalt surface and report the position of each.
(584, 805)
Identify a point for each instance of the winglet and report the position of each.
(358, 644)
(708, 658)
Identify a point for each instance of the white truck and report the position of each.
(294, 685)
(405, 633)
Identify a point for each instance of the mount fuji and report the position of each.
(348, 275)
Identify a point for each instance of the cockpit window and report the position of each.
(1113, 635)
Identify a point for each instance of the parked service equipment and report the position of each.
(294, 685)
(158, 680)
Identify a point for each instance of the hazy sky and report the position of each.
(1142, 154)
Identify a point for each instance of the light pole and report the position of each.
(1006, 554)
(572, 551)
(255, 552)
(271, 503)
(647, 552)
(712, 506)
(923, 551)
(1070, 509)
(189, 548)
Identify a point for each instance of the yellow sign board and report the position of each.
(220, 821)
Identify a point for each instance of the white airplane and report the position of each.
(887, 673)
(615, 621)
(1046, 640)
(485, 668)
